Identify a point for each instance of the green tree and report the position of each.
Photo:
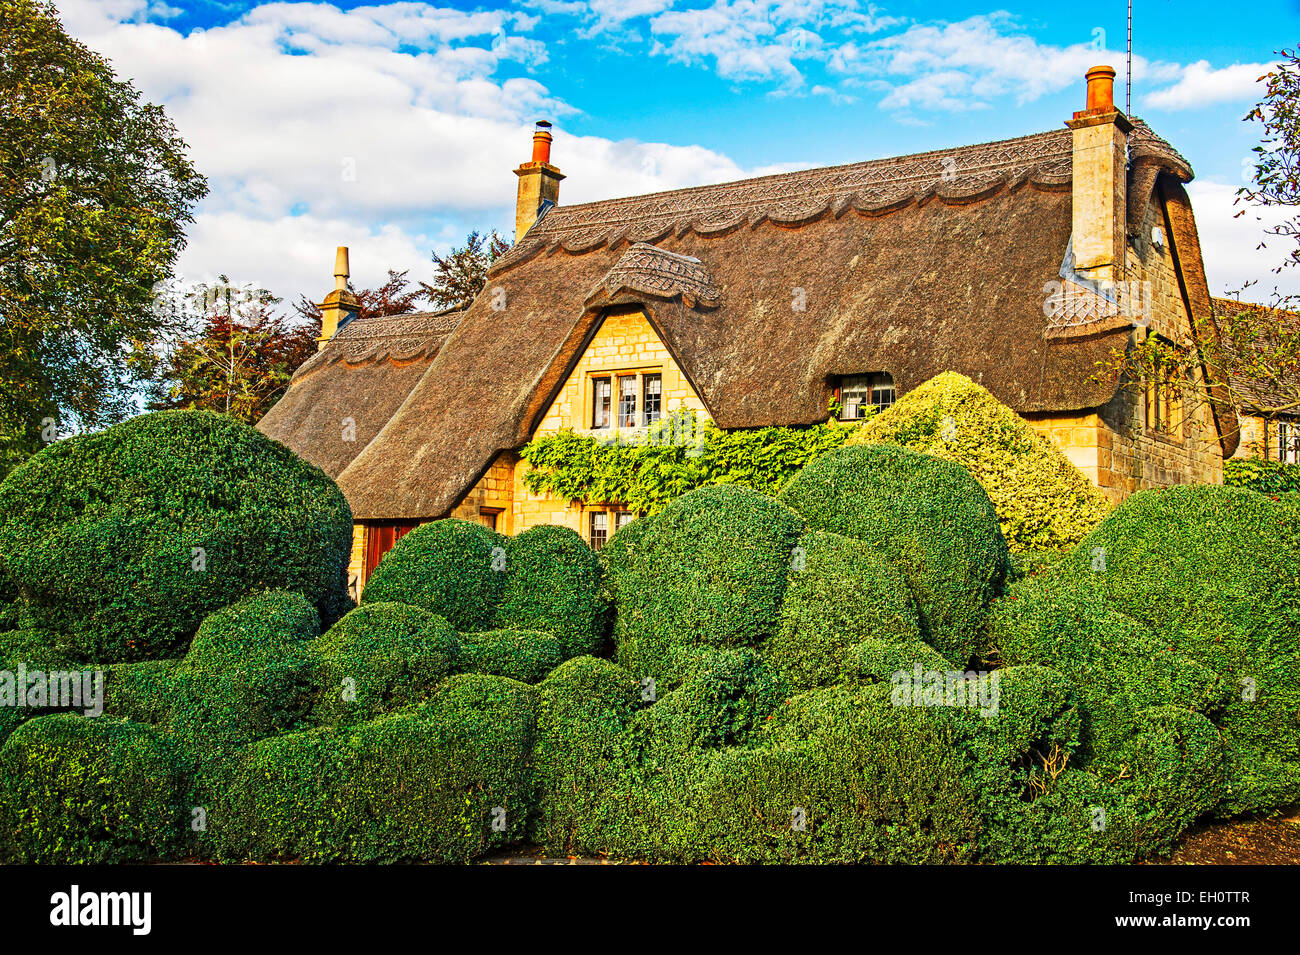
(95, 192)
(1276, 175)
(461, 274)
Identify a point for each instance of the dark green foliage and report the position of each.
(455, 568)
(99, 532)
(1032, 563)
(99, 790)
(1078, 819)
(421, 783)
(840, 591)
(872, 661)
(247, 675)
(523, 655)
(927, 515)
(553, 585)
(710, 569)
(1174, 773)
(142, 692)
(724, 697)
(381, 657)
(583, 709)
(1214, 572)
(1267, 477)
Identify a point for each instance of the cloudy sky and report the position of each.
(393, 127)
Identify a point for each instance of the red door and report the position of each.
(380, 539)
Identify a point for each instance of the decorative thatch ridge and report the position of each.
(653, 271)
(386, 337)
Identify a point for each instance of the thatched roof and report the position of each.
(341, 397)
(764, 291)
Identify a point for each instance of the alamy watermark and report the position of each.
(53, 689)
(969, 689)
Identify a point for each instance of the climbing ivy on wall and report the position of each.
(679, 454)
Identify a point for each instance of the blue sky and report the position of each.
(393, 128)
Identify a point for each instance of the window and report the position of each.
(622, 519)
(1288, 442)
(489, 515)
(599, 532)
(600, 402)
(627, 401)
(1164, 400)
(860, 392)
(380, 539)
(652, 400)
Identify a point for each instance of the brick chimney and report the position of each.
(340, 306)
(1100, 180)
(539, 181)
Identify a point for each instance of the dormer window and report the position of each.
(858, 393)
(626, 400)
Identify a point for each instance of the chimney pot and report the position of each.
(341, 271)
(1101, 89)
(542, 142)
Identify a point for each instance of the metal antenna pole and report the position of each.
(1128, 77)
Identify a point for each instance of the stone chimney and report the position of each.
(340, 306)
(539, 182)
(1100, 181)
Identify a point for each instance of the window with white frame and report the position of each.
(1288, 442)
(858, 393)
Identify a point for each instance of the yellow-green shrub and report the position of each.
(1042, 500)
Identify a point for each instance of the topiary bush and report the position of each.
(142, 692)
(840, 591)
(523, 655)
(79, 790)
(553, 585)
(381, 657)
(455, 568)
(1214, 572)
(247, 675)
(124, 540)
(929, 517)
(709, 569)
(1043, 501)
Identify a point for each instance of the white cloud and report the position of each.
(1230, 243)
(387, 129)
(1201, 84)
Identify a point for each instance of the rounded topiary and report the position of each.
(1214, 572)
(1043, 501)
(247, 675)
(523, 655)
(98, 790)
(553, 585)
(381, 657)
(927, 515)
(125, 539)
(840, 591)
(455, 568)
(710, 568)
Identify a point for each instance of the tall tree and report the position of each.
(394, 297)
(461, 274)
(95, 193)
(241, 357)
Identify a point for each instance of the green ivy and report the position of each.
(677, 455)
(1267, 477)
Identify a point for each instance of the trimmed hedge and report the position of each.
(553, 585)
(247, 675)
(1043, 501)
(142, 692)
(124, 540)
(927, 515)
(381, 657)
(840, 592)
(526, 656)
(455, 568)
(583, 710)
(1214, 572)
(78, 790)
(424, 783)
(709, 569)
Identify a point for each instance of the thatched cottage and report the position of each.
(1021, 264)
(1266, 432)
